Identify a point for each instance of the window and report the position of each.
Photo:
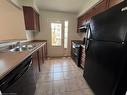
(65, 34)
(56, 30)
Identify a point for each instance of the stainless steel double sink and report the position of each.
(21, 48)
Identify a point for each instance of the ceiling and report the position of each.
(71, 6)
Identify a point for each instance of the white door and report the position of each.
(56, 46)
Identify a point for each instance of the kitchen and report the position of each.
(52, 48)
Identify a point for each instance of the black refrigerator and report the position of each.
(105, 67)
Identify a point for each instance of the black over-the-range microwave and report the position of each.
(83, 28)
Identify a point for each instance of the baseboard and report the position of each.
(57, 56)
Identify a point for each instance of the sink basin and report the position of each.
(22, 48)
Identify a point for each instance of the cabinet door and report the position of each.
(31, 18)
(82, 57)
(42, 51)
(90, 13)
(80, 23)
(36, 20)
(28, 18)
(45, 51)
(41, 60)
(114, 2)
(102, 6)
(35, 62)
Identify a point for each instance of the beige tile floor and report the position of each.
(60, 76)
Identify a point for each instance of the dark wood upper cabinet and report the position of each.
(41, 58)
(84, 18)
(31, 18)
(114, 2)
(100, 7)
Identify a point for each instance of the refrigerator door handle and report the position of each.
(124, 9)
(88, 33)
(87, 45)
(88, 38)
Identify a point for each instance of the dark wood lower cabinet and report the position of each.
(42, 51)
(38, 59)
(82, 56)
(41, 58)
(22, 80)
(35, 62)
(45, 51)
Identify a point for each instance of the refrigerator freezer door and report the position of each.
(110, 25)
(0, 93)
(102, 66)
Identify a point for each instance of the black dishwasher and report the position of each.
(20, 81)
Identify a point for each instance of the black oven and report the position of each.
(75, 51)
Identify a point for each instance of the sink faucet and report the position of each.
(18, 44)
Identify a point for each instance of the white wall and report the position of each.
(31, 3)
(87, 6)
(16, 3)
(44, 34)
(11, 22)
